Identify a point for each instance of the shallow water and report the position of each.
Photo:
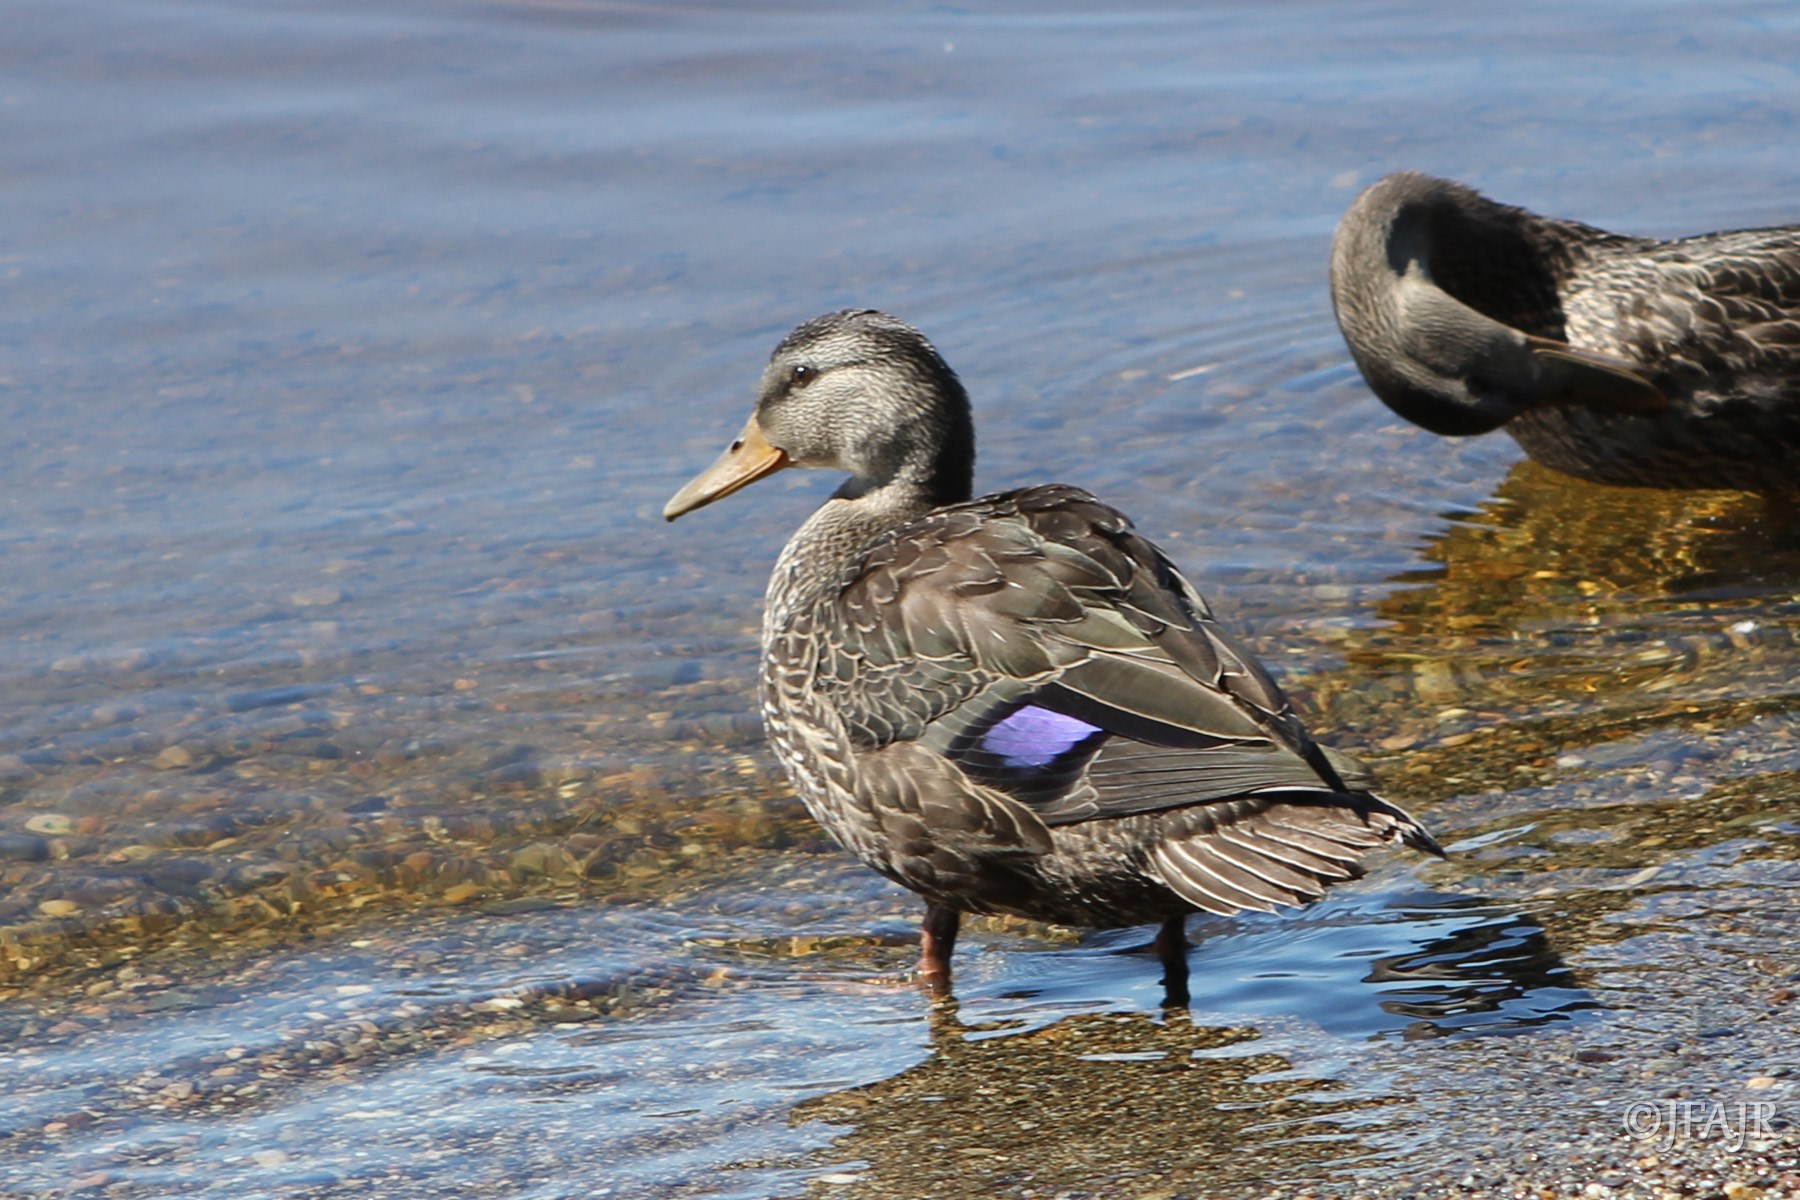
(380, 804)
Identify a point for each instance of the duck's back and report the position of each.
(1715, 322)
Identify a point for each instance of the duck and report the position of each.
(1016, 704)
(1622, 360)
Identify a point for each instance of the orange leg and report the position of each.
(937, 940)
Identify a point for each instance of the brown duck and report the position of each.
(1623, 360)
(1015, 704)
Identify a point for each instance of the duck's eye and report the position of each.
(801, 375)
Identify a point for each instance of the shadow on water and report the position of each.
(1370, 965)
(1499, 974)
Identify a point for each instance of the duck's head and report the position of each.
(856, 391)
(1439, 358)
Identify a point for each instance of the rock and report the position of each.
(19, 847)
(498, 1004)
(173, 758)
(462, 893)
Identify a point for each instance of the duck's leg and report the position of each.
(1171, 947)
(937, 939)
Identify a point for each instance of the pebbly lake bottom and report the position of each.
(564, 1048)
(338, 959)
(752, 1032)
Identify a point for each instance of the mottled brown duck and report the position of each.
(1619, 359)
(1015, 704)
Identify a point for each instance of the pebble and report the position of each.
(19, 847)
(50, 824)
(498, 1004)
(173, 758)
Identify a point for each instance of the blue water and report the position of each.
(351, 350)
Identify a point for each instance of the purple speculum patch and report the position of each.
(1035, 737)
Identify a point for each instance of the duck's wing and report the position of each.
(1037, 642)
(1027, 661)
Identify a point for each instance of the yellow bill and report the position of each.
(744, 462)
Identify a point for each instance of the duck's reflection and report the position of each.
(1544, 538)
(1099, 1103)
(1559, 592)
(1497, 974)
(1563, 614)
(1016, 1087)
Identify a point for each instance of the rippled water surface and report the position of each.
(382, 811)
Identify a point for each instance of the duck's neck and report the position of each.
(841, 531)
(936, 468)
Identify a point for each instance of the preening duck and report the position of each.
(1620, 359)
(1015, 704)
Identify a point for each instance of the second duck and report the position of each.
(1623, 360)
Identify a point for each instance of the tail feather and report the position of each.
(1285, 852)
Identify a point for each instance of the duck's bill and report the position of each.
(1596, 380)
(744, 462)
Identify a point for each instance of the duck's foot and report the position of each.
(1171, 949)
(937, 941)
